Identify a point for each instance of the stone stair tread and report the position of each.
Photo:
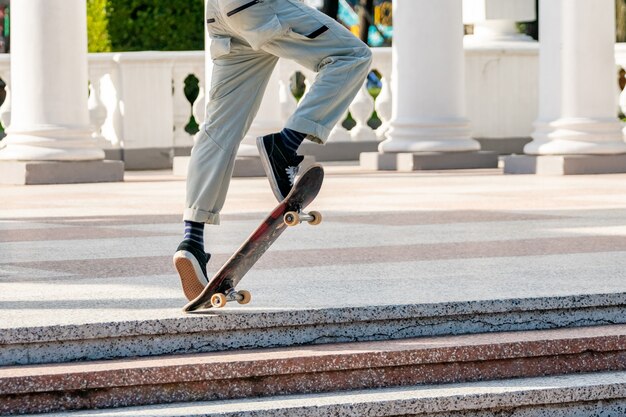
(250, 318)
(310, 359)
(502, 394)
(236, 329)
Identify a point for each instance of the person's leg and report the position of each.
(320, 44)
(238, 81)
(289, 29)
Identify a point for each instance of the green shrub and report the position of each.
(97, 33)
(139, 25)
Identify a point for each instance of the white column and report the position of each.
(577, 112)
(49, 117)
(495, 20)
(428, 79)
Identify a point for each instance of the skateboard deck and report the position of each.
(221, 288)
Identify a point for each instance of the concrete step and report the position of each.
(579, 395)
(300, 370)
(232, 329)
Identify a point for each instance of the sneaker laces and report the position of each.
(291, 173)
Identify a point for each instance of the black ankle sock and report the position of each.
(195, 232)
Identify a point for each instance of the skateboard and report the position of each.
(221, 288)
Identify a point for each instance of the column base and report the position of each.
(338, 151)
(495, 39)
(447, 160)
(375, 161)
(248, 166)
(51, 172)
(245, 166)
(145, 159)
(504, 146)
(425, 161)
(565, 164)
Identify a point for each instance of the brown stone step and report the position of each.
(330, 367)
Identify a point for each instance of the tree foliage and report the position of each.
(620, 15)
(138, 25)
(97, 33)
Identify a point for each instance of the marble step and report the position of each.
(577, 395)
(309, 369)
(247, 328)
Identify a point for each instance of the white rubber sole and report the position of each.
(265, 160)
(191, 277)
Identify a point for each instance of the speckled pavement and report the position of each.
(86, 253)
(89, 254)
(85, 274)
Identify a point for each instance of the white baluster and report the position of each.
(622, 101)
(288, 102)
(5, 109)
(97, 112)
(5, 112)
(102, 103)
(182, 108)
(621, 94)
(361, 110)
(383, 108)
(618, 90)
(111, 97)
(340, 133)
(199, 107)
(307, 87)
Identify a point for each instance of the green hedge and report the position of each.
(140, 25)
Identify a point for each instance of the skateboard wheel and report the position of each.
(245, 297)
(317, 218)
(291, 218)
(218, 300)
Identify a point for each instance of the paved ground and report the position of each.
(101, 252)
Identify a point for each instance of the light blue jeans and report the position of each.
(247, 39)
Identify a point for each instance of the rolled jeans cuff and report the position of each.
(201, 216)
(315, 132)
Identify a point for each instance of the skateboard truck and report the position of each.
(219, 300)
(294, 218)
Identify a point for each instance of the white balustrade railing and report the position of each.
(137, 99)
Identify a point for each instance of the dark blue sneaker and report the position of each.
(281, 165)
(190, 262)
